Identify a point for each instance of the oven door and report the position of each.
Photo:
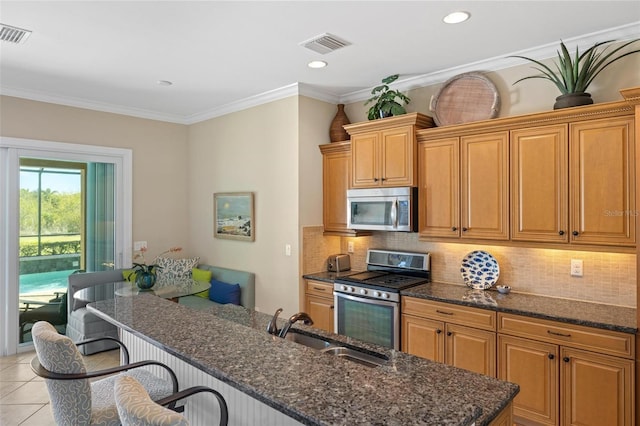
(369, 320)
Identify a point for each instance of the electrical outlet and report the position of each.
(576, 267)
(350, 248)
(139, 245)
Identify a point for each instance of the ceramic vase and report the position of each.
(336, 132)
(572, 99)
(145, 280)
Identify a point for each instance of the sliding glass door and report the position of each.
(64, 208)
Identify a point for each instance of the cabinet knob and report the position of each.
(383, 179)
(375, 179)
(331, 307)
(449, 333)
(575, 233)
(464, 229)
(561, 233)
(551, 356)
(438, 331)
(454, 229)
(566, 359)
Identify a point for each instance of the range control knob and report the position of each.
(385, 295)
(351, 289)
(363, 291)
(343, 287)
(376, 294)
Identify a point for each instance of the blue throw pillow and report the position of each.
(222, 292)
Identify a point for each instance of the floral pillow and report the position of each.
(176, 268)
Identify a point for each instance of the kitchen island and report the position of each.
(230, 345)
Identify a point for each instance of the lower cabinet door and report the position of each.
(534, 367)
(423, 337)
(320, 309)
(471, 349)
(595, 389)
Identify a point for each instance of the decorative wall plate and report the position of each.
(464, 98)
(479, 270)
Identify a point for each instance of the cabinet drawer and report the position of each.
(319, 288)
(577, 336)
(463, 315)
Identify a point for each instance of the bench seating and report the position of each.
(246, 280)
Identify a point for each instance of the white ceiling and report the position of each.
(226, 55)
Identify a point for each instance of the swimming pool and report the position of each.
(45, 282)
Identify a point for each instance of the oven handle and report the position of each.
(361, 299)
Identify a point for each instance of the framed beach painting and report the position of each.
(233, 216)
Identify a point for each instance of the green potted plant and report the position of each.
(387, 102)
(574, 74)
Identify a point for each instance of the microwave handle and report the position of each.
(394, 213)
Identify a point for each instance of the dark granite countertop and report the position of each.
(609, 317)
(231, 344)
(327, 276)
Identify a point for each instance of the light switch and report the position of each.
(287, 249)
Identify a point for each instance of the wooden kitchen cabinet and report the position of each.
(463, 188)
(484, 186)
(574, 183)
(384, 158)
(336, 178)
(319, 304)
(559, 178)
(540, 184)
(456, 335)
(602, 182)
(384, 151)
(568, 374)
(439, 188)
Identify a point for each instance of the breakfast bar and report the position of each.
(294, 384)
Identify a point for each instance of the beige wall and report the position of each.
(254, 150)
(160, 190)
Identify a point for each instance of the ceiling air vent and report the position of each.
(325, 43)
(13, 34)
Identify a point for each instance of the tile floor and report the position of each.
(24, 399)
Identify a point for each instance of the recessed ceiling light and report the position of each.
(317, 64)
(456, 17)
(164, 83)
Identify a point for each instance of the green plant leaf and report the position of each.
(575, 74)
(390, 79)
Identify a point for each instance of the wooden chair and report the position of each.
(136, 408)
(75, 400)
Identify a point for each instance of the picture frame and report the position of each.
(233, 216)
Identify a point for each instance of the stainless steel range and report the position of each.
(367, 304)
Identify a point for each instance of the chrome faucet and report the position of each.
(294, 318)
(272, 327)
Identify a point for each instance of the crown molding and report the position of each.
(622, 33)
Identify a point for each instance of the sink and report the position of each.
(325, 346)
(310, 341)
(357, 356)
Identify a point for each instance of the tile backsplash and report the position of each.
(608, 277)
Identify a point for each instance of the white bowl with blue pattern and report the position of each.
(479, 270)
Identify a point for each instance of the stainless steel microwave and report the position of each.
(382, 209)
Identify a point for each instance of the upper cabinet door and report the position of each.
(485, 186)
(365, 152)
(439, 188)
(602, 182)
(398, 157)
(539, 184)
